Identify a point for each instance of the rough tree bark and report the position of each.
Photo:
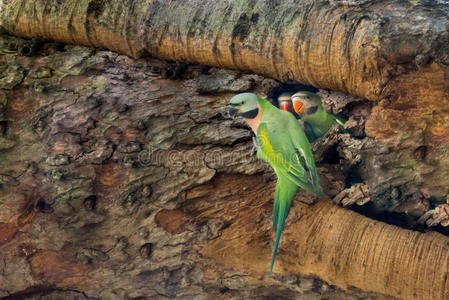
(82, 199)
(118, 183)
(394, 52)
(86, 210)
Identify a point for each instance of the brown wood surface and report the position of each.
(125, 178)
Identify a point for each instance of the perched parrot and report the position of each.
(285, 102)
(284, 145)
(317, 121)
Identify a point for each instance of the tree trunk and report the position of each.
(125, 178)
(353, 46)
(366, 48)
(120, 183)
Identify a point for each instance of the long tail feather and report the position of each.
(278, 237)
(285, 192)
(276, 208)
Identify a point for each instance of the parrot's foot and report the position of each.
(253, 150)
(255, 146)
(437, 216)
(358, 194)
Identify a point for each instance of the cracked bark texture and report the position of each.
(115, 181)
(393, 52)
(118, 182)
(78, 145)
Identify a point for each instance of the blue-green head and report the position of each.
(245, 105)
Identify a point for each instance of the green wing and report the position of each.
(288, 151)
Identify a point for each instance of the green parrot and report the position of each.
(284, 145)
(317, 121)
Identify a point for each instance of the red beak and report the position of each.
(298, 106)
(286, 106)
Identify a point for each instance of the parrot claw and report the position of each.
(255, 147)
(437, 216)
(358, 194)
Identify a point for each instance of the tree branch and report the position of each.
(341, 45)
